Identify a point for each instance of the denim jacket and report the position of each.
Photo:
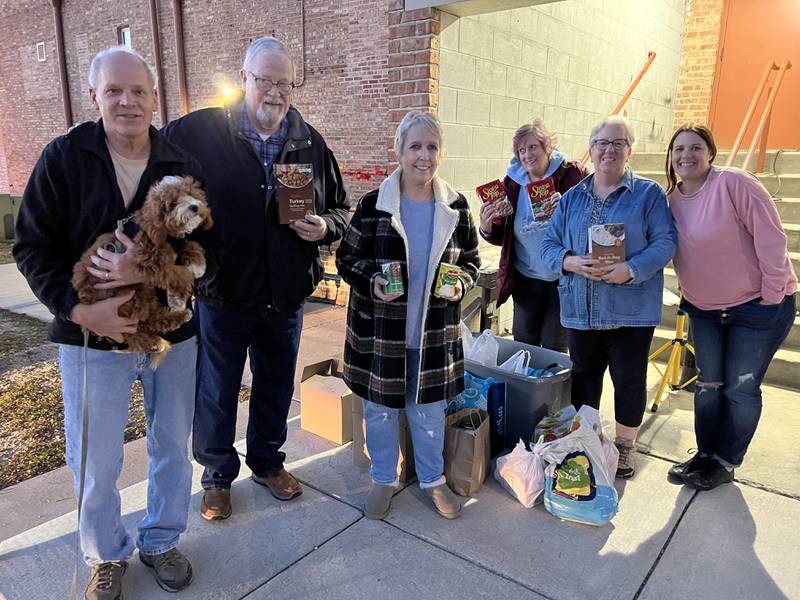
(650, 240)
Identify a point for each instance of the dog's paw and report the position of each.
(187, 316)
(198, 270)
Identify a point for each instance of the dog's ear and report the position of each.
(151, 215)
(207, 223)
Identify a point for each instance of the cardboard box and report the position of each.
(405, 461)
(326, 403)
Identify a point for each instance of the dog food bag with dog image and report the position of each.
(294, 192)
(578, 483)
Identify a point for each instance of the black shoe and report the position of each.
(713, 474)
(678, 473)
(171, 568)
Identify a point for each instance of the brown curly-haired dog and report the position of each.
(174, 207)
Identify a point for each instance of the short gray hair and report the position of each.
(614, 120)
(416, 117)
(100, 57)
(267, 44)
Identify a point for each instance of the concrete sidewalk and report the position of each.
(666, 542)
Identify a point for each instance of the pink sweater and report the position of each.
(731, 245)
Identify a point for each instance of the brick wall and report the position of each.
(413, 64)
(344, 75)
(31, 113)
(698, 60)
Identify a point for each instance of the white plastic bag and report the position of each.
(467, 341)
(521, 473)
(518, 363)
(579, 485)
(591, 418)
(483, 350)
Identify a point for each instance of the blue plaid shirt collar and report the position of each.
(266, 150)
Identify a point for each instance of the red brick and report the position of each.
(344, 82)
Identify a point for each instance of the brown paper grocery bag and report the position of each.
(466, 450)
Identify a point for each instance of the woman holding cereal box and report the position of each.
(409, 254)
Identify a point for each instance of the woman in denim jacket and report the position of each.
(610, 312)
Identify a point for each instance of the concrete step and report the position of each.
(788, 209)
(782, 371)
(787, 163)
(792, 236)
(669, 314)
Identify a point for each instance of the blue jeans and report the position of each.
(734, 347)
(226, 335)
(168, 405)
(426, 422)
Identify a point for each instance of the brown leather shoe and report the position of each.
(281, 484)
(216, 505)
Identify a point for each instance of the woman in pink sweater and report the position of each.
(738, 289)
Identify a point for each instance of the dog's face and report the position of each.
(177, 206)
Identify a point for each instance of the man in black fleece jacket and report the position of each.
(254, 303)
(82, 184)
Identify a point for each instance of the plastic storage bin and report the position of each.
(528, 399)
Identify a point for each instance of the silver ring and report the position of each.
(106, 275)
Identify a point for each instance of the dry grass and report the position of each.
(32, 428)
(5, 252)
(31, 404)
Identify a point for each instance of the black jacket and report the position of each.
(264, 264)
(72, 197)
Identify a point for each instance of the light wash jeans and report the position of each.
(169, 408)
(426, 422)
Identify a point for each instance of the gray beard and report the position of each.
(266, 120)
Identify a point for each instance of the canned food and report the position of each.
(447, 280)
(392, 273)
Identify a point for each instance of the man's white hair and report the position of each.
(267, 44)
(100, 57)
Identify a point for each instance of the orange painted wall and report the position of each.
(752, 33)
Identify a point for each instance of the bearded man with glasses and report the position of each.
(255, 303)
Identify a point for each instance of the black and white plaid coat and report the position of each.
(375, 344)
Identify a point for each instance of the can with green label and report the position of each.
(392, 272)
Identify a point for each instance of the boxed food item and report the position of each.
(544, 198)
(494, 191)
(294, 191)
(607, 243)
(326, 403)
(405, 461)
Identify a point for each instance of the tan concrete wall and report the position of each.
(567, 62)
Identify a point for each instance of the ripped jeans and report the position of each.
(426, 422)
(734, 347)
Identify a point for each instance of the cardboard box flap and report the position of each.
(330, 366)
(327, 384)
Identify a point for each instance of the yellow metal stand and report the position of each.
(671, 375)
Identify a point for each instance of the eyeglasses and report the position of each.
(619, 144)
(265, 84)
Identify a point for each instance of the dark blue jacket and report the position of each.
(264, 264)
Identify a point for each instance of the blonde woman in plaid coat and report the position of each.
(403, 349)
